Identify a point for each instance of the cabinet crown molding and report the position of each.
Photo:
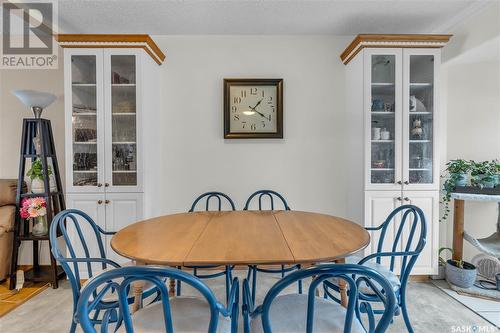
(362, 41)
(112, 41)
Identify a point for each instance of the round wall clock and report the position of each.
(253, 108)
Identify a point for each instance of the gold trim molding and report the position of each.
(392, 40)
(112, 41)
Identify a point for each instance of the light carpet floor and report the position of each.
(431, 310)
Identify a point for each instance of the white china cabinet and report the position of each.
(105, 100)
(393, 110)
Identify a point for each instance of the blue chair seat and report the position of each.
(147, 288)
(189, 314)
(288, 314)
(385, 272)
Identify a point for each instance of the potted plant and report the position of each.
(442, 264)
(35, 209)
(36, 175)
(456, 173)
(496, 171)
(460, 273)
(484, 174)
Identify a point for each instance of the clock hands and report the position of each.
(258, 103)
(254, 109)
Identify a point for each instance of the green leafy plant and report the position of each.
(36, 170)
(442, 261)
(455, 169)
(485, 171)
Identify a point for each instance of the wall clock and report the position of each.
(253, 108)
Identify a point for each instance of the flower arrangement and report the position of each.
(33, 207)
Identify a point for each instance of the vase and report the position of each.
(461, 179)
(40, 226)
(488, 181)
(461, 277)
(37, 185)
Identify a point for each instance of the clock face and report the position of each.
(253, 109)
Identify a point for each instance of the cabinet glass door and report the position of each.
(384, 106)
(123, 120)
(419, 122)
(85, 114)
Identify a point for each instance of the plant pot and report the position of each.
(488, 181)
(460, 277)
(37, 186)
(40, 226)
(460, 179)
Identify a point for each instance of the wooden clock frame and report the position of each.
(278, 83)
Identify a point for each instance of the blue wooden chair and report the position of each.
(79, 262)
(270, 196)
(309, 313)
(179, 314)
(413, 224)
(218, 197)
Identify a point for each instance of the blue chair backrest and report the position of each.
(78, 255)
(354, 275)
(218, 196)
(414, 226)
(270, 195)
(119, 280)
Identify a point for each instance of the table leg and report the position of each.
(458, 229)
(342, 286)
(171, 290)
(137, 289)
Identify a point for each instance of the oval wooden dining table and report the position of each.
(240, 238)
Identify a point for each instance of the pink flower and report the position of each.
(38, 202)
(26, 202)
(24, 213)
(33, 212)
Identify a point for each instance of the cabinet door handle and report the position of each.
(106, 184)
(406, 182)
(406, 199)
(99, 202)
(399, 199)
(399, 182)
(99, 185)
(107, 202)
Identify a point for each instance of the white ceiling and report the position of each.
(268, 17)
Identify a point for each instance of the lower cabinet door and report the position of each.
(93, 205)
(378, 206)
(428, 201)
(122, 209)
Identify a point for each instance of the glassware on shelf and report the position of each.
(123, 100)
(420, 141)
(84, 120)
(382, 118)
(123, 69)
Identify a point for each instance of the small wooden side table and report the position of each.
(458, 218)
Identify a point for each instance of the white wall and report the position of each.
(471, 95)
(307, 166)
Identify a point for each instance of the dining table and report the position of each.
(277, 237)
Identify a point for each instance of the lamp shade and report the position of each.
(32, 98)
